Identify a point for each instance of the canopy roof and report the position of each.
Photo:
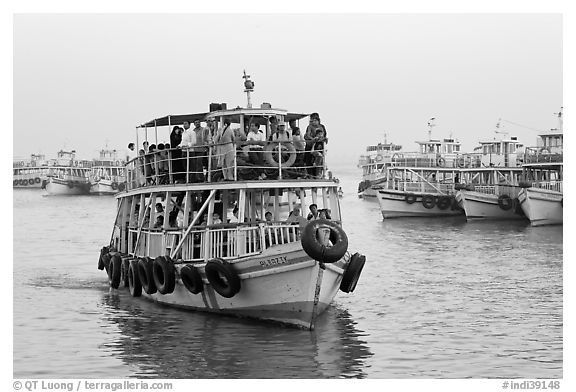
(233, 115)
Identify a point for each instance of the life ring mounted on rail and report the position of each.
(461, 162)
(441, 162)
(379, 158)
(275, 154)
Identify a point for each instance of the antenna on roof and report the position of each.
(430, 125)
(497, 130)
(560, 121)
(248, 88)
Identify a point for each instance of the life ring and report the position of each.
(379, 158)
(37, 180)
(15, 182)
(428, 201)
(410, 198)
(505, 202)
(271, 150)
(22, 182)
(70, 184)
(125, 266)
(117, 163)
(441, 162)
(31, 181)
(352, 273)
(146, 276)
(164, 274)
(461, 162)
(115, 271)
(222, 277)
(121, 186)
(115, 185)
(134, 285)
(444, 202)
(317, 250)
(191, 279)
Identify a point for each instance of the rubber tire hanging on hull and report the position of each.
(191, 279)
(222, 277)
(145, 273)
(428, 201)
(505, 202)
(125, 265)
(410, 198)
(164, 274)
(134, 285)
(103, 253)
(352, 273)
(115, 271)
(444, 202)
(318, 251)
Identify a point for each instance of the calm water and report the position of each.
(438, 298)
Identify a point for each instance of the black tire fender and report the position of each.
(191, 279)
(352, 273)
(428, 201)
(145, 274)
(164, 274)
(134, 285)
(505, 202)
(222, 277)
(410, 198)
(317, 250)
(115, 271)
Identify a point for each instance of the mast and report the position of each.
(430, 126)
(248, 88)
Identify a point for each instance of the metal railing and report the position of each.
(208, 242)
(233, 162)
(454, 160)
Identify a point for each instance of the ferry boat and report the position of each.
(491, 190)
(542, 196)
(422, 184)
(107, 176)
(199, 232)
(374, 165)
(30, 173)
(68, 176)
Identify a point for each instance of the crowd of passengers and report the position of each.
(188, 153)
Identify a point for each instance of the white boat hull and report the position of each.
(479, 205)
(103, 187)
(542, 206)
(60, 187)
(393, 205)
(287, 287)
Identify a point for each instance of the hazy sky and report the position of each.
(81, 81)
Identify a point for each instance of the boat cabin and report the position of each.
(223, 220)
(501, 153)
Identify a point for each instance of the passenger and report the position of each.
(273, 124)
(299, 143)
(178, 164)
(173, 218)
(131, 154)
(317, 153)
(268, 217)
(256, 141)
(150, 164)
(159, 208)
(203, 139)
(145, 146)
(226, 150)
(313, 215)
(162, 164)
(211, 125)
(159, 222)
(312, 138)
(234, 218)
(216, 219)
(296, 218)
(141, 168)
(281, 135)
(322, 214)
(194, 169)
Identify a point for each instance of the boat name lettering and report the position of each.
(274, 261)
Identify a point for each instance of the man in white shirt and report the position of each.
(130, 155)
(195, 172)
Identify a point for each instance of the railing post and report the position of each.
(209, 176)
(279, 160)
(235, 163)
